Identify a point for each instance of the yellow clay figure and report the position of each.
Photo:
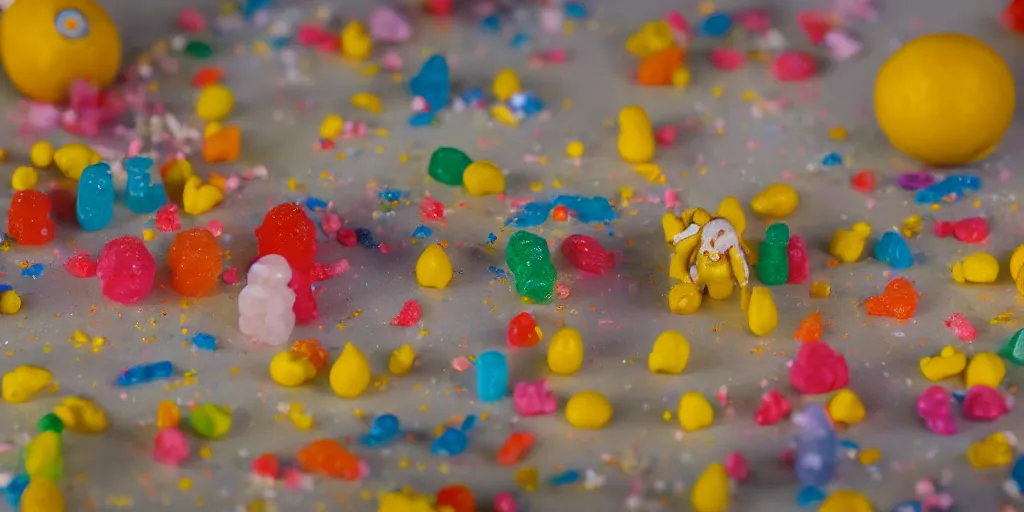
(731, 210)
(72, 159)
(22, 383)
(695, 412)
(433, 269)
(948, 363)
(588, 410)
(709, 255)
(350, 374)
(636, 136)
(42, 495)
(777, 200)
(993, 451)
(762, 315)
(670, 353)
(1016, 264)
(291, 368)
(506, 83)
(81, 415)
(400, 501)
(565, 353)
(977, 268)
(846, 501)
(356, 43)
(652, 37)
(847, 246)
(401, 360)
(483, 178)
(985, 369)
(710, 492)
(846, 407)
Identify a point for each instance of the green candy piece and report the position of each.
(447, 165)
(1013, 350)
(528, 258)
(50, 422)
(210, 421)
(773, 256)
(198, 49)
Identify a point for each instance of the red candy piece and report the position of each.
(410, 314)
(983, 403)
(586, 253)
(439, 7)
(288, 232)
(815, 25)
(305, 303)
(794, 66)
(560, 213)
(81, 265)
(515, 447)
(167, 218)
(1013, 16)
(864, 181)
(329, 457)
(28, 219)
(962, 327)
(818, 369)
(727, 59)
(458, 498)
(971, 231)
(799, 265)
(736, 466)
(522, 331)
(63, 202)
(934, 406)
(126, 270)
(898, 300)
(266, 466)
(665, 136)
(678, 22)
(809, 329)
(774, 408)
(347, 237)
(505, 502)
(431, 209)
(207, 75)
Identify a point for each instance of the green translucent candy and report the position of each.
(447, 165)
(198, 49)
(210, 421)
(50, 422)
(528, 258)
(773, 256)
(1013, 350)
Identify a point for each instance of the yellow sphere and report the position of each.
(945, 99)
(45, 45)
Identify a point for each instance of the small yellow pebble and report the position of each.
(81, 415)
(215, 103)
(869, 456)
(821, 290)
(670, 353)
(506, 83)
(950, 361)
(22, 383)
(681, 78)
(565, 353)
(291, 368)
(847, 246)
(10, 302)
(350, 374)
(846, 407)
(24, 178)
(985, 369)
(331, 126)
(778, 200)
(574, 149)
(636, 136)
(762, 315)
(995, 450)
(977, 268)
(504, 115)
(710, 492)
(356, 43)
(837, 133)
(41, 154)
(301, 420)
(527, 478)
(401, 360)
(367, 100)
(148, 235)
(588, 410)
(483, 178)
(695, 412)
(433, 268)
(72, 159)
(846, 501)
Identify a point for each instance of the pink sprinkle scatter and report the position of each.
(461, 364)
(962, 327)
(81, 265)
(167, 218)
(215, 228)
(191, 20)
(727, 59)
(562, 290)
(230, 276)
(736, 466)
(409, 315)
(794, 66)
(431, 209)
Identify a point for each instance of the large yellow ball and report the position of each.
(45, 45)
(945, 99)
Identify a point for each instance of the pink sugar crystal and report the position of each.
(962, 327)
(170, 447)
(431, 209)
(727, 59)
(126, 270)
(505, 502)
(230, 276)
(81, 265)
(167, 218)
(191, 20)
(533, 398)
(665, 136)
(983, 403)
(794, 66)
(461, 364)
(934, 406)
(736, 466)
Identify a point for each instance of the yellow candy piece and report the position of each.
(356, 43)
(778, 200)
(695, 412)
(72, 159)
(977, 268)
(869, 456)
(350, 374)
(42, 495)
(636, 136)
(41, 154)
(762, 316)
(652, 37)
(671, 225)
(950, 361)
(367, 100)
(168, 415)
(1017, 262)
(301, 420)
(197, 198)
(24, 178)
(993, 451)
(985, 369)
(589, 410)
(506, 83)
(44, 456)
(22, 383)
(681, 78)
(565, 353)
(504, 115)
(81, 415)
(178, 173)
(846, 501)
(912, 226)
(215, 103)
(401, 360)
(710, 492)
(730, 210)
(847, 246)
(404, 502)
(846, 407)
(482, 178)
(434, 269)
(574, 149)
(10, 302)
(670, 353)
(331, 126)
(527, 478)
(291, 368)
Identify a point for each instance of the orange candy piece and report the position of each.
(898, 300)
(809, 329)
(458, 498)
(168, 415)
(656, 69)
(28, 219)
(196, 261)
(207, 75)
(314, 352)
(223, 146)
(329, 457)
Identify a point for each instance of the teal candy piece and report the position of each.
(773, 256)
(893, 250)
(491, 377)
(95, 205)
(50, 422)
(1013, 349)
(529, 259)
(432, 83)
(142, 195)
(447, 165)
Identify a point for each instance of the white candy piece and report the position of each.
(265, 304)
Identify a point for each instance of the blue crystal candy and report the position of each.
(952, 188)
(432, 83)
(451, 443)
(95, 205)
(144, 373)
(384, 429)
(143, 196)
(491, 377)
(893, 250)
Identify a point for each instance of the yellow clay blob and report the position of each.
(710, 492)
(681, 78)
(301, 420)
(43, 456)
(846, 407)
(695, 412)
(72, 159)
(367, 100)
(22, 383)
(483, 178)
(574, 149)
(1017, 262)
(847, 246)
(762, 316)
(350, 375)
(331, 126)
(565, 353)
(401, 360)
(198, 198)
(434, 269)
(731, 210)
(652, 37)
(504, 115)
(215, 103)
(777, 201)
(985, 369)
(588, 410)
(24, 178)
(178, 173)
(291, 368)
(950, 361)
(81, 415)
(993, 451)
(42, 495)
(168, 415)
(977, 268)
(41, 154)
(670, 353)
(846, 501)
(636, 136)
(401, 501)
(356, 43)
(10, 302)
(506, 83)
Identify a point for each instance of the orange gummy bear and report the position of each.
(898, 300)
(809, 329)
(28, 219)
(657, 68)
(329, 457)
(196, 261)
(224, 145)
(314, 352)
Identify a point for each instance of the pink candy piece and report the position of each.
(972, 231)
(841, 45)
(799, 266)
(313, 35)
(461, 364)
(324, 271)
(431, 209)
(230, 276)
(387, 25)
(755, 20)
(774, 407)
(736, 466)
(330, 223)
(562, 290)
(815, 25)
(305, 303)
(818, 369)
(962, 327)
(679, 23)
(727, 59)
(347, 237)
(126, 270)
(794, 66)
(215, 228)
(392, 61)
(170, 447)
(586, 253)
(665, 136)
(80, 265)
(533, 398)
(505, 502)
(191, 20)
(983, 403)
(410, 313)
(551, 19)
(934, 406)
(167, 218)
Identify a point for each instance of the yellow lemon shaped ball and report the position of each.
(588, 410)
(215, 103)
(945, 99)
(45, 45)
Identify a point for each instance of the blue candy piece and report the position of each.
(497, 272)
(950, 189)
(15, 488)
(832, 159)
(491, 376)
(421, 119)
(313, 203)
(909, 506)
(817, 447)
(204, 341)
(432, 83)
(520, 40)
(144, 373)
(254, 6)
(576, 11)
(716, 25)
(808, 496)
(390, 195)
(1017, 474)
(491, 23)
(451, 443)
(567, 477)
(491, 238)
(5, 287)
(142, 195)
(893, 250)
(95, 204)
(384, 429)
(473, 96)
(589, 210)
(35, 271)
(422, 232)
(469, 423)
(526, 103)
(365, 238)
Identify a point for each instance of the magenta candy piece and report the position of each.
(983, 403)
(970, 231)
(915, 180)
(794, 66)
(962, 327)
(799, 265)
(533, 398)
(736, 466)
(126, 270)
(727, 59)
(818, 369)
(755, 21)
(934, 406)
(665, 136)
(170, 447)
(774, 407)
(586, 253)
(505, 502)
(81, 265)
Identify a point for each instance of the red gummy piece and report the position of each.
(809, 329)
(962, 327)
(28, 219)
(898, 300)
(305, 303)
(167, 218)
(431, 209)
(983, 403)
(329, 457)
(814, 25)
(665, 136)
(347, 237)
(971, 231)
(934, 406)
(207, 75)
(818, 369)
(515, 447)
(458, 498)
(80, 265)
(522, 331)
(505, 502)
(266, 466)
(737, 467)
(410, 314)
(727, 59)
(1013, 16)
(586, 253)
(794, 66)
(126, 270)
(774, 408)
(63, 201)
(439, 7)
(864, 181)
(288, 232)
(799, 265)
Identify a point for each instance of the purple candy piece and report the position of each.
(915, 180)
